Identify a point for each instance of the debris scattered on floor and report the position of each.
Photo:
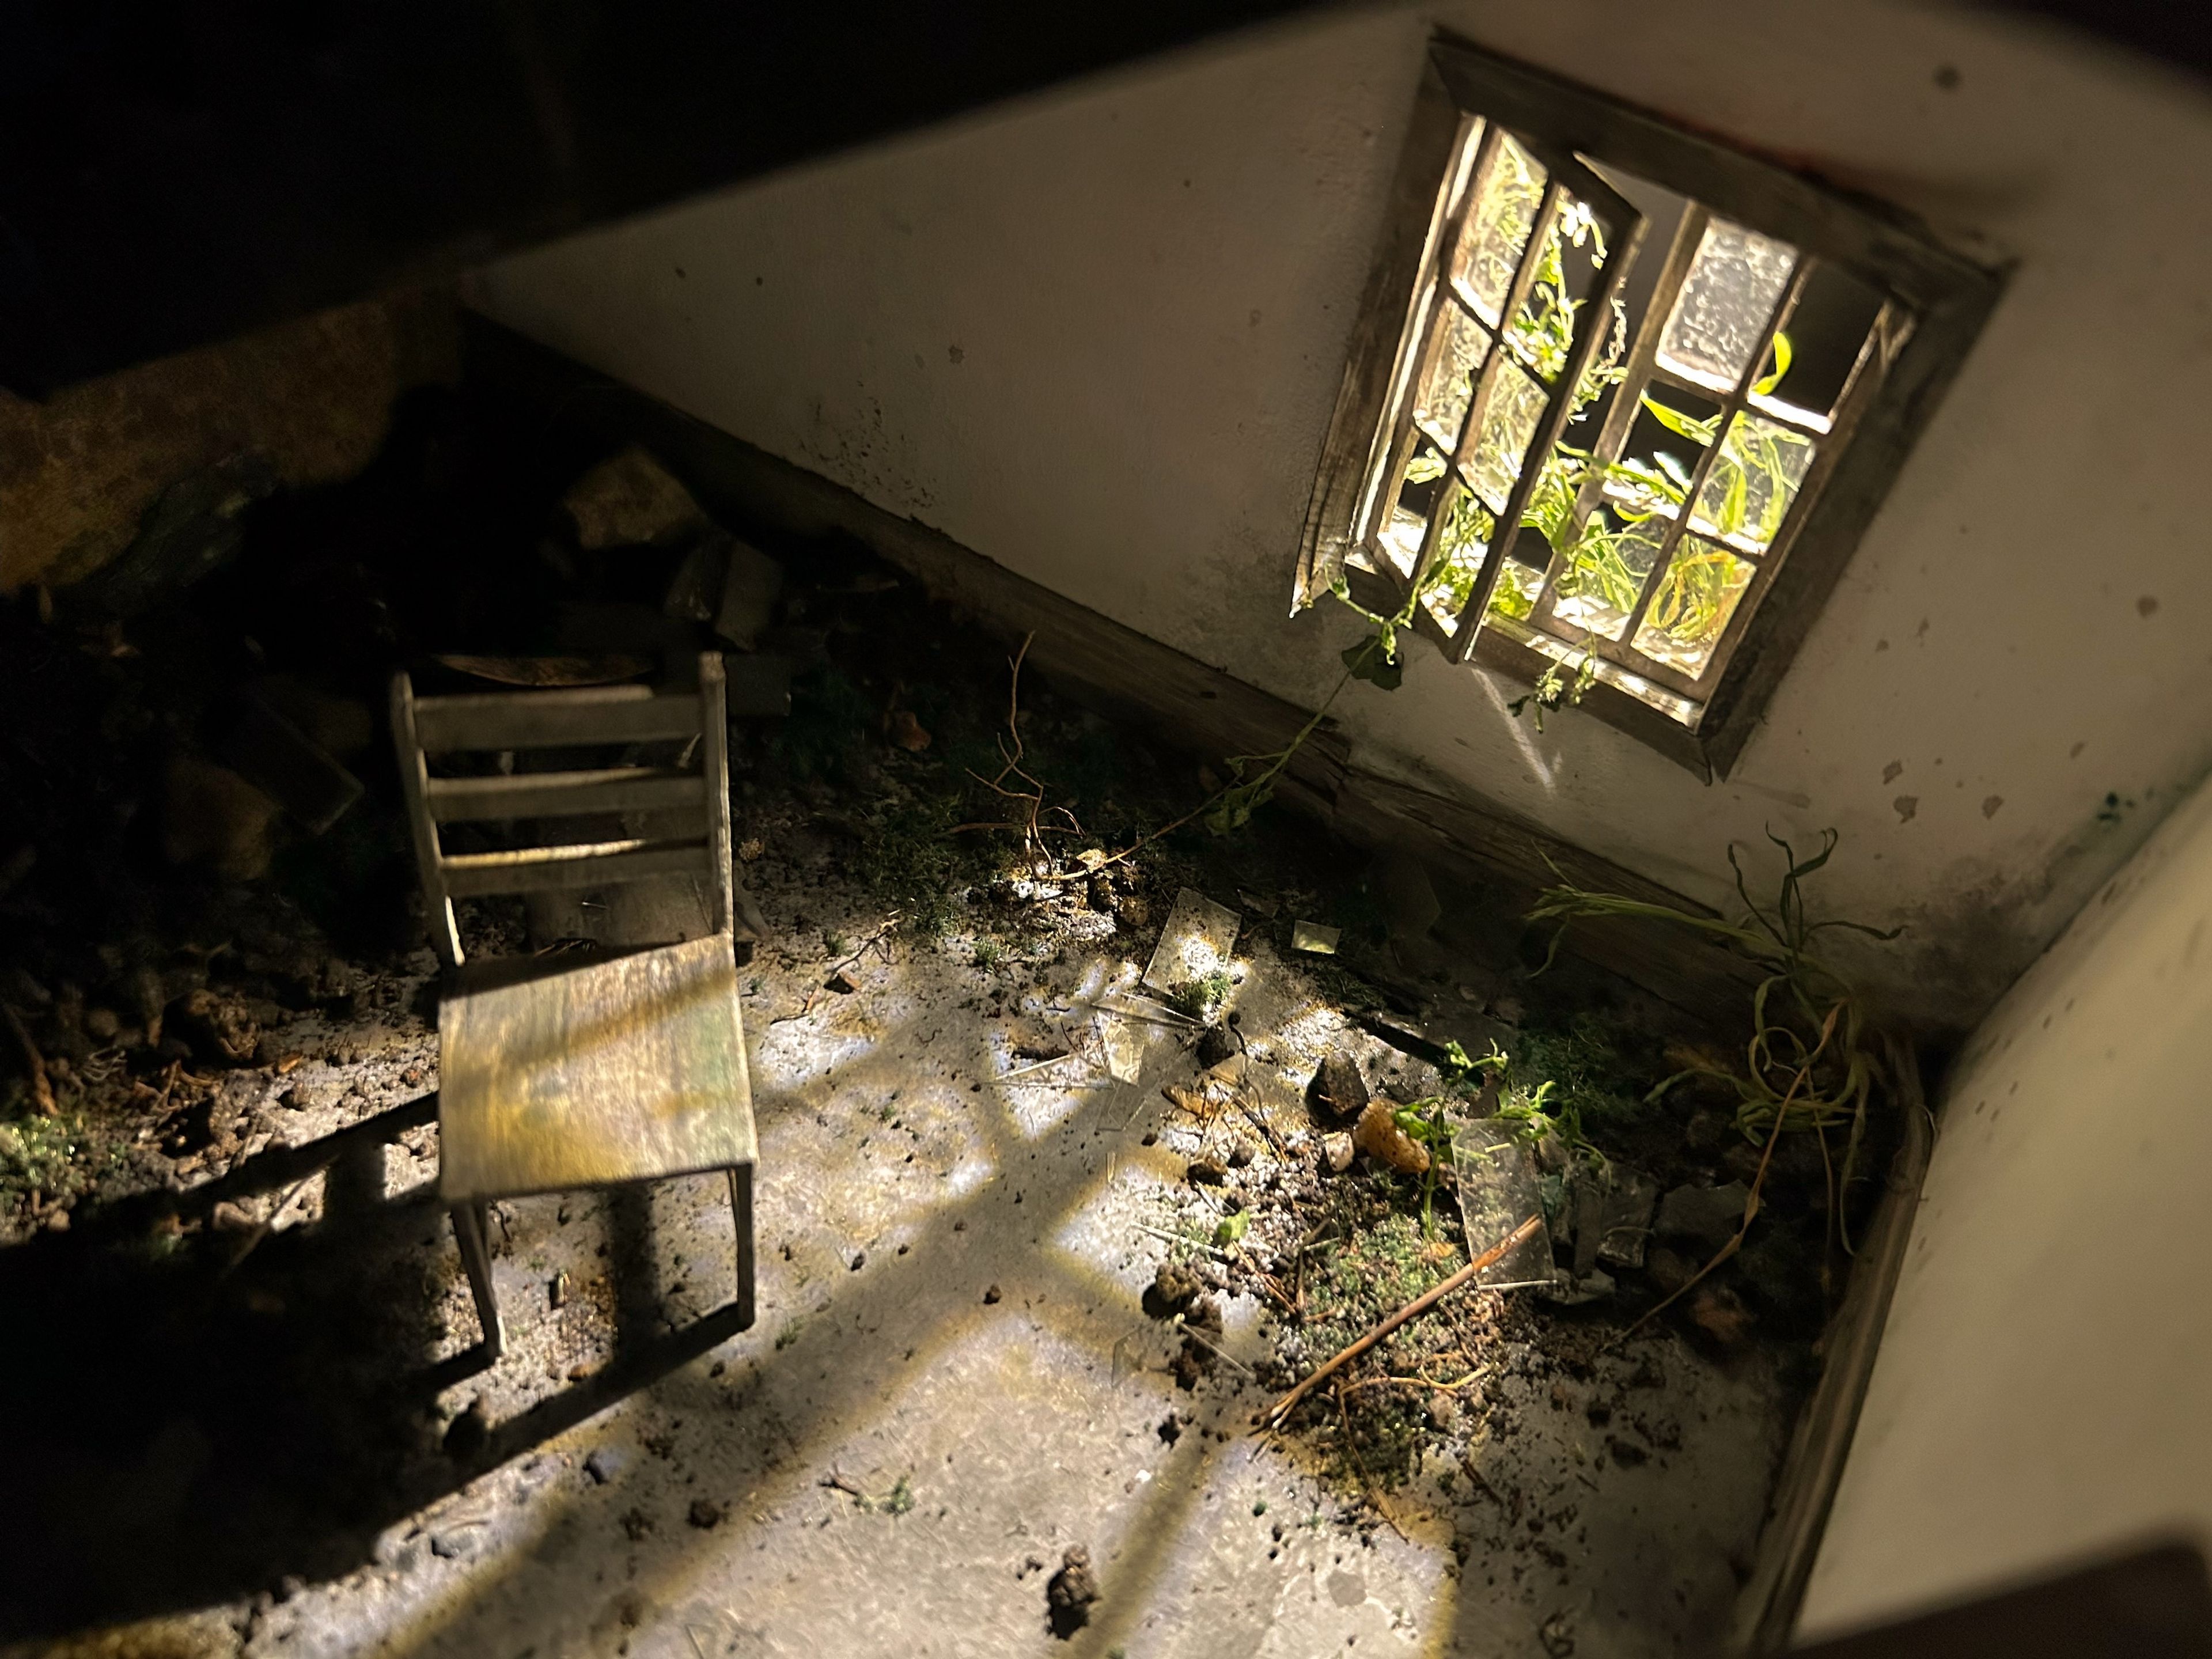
(1335, 1094)
(1071, 1593)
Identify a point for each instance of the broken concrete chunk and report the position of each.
(214, 818)
(1069, 1594)
(192, 530)
(1337, 1151)
(1377, 1134)
(284, 764)
(630, 499)
(1707, 1216)
(1337, 1092)
(1173, 1288)
(1195, 944)
(696, 590)
(752, 582)
(1613, 1219)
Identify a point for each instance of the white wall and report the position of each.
(2044, 1384)
(1096, 337)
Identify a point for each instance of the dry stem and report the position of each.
(1276, 1414)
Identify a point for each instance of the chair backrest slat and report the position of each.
(548, 719)
(559, 869)
(562, 794)
(684, 808)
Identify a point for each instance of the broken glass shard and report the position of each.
(1691, 607)
(1194, 945)
(1506, 201)
(1408, 522)
(1829, 324)
(1499, 1190)
(1720, 318)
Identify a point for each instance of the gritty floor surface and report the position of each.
(951, 1380)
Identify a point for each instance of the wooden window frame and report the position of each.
(1936, 300)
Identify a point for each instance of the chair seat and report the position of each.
(629, 1069)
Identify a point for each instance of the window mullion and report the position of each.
(1636, 374)
(1507, 524)
(1733, 406)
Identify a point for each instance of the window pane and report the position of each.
(1603, 576)
(1497, 227)
(1753, 480)
(1720, 318)
(1565, 279)
(1692, 604)
(1418, 481)
(1463, 540)
(1515, 594)
(1455, 357)
(1828, 327)
(1672, 430)
(1509, 427)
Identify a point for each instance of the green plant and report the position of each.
(1197, 999)
(988, 954)
(1810, 1062)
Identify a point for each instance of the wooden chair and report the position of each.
(586, 1067)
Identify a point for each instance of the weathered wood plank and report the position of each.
(562, 794)
(626, 1070)
(546, 720)
(563, 869)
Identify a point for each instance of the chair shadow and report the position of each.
(196, 1415)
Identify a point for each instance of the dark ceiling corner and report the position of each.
(171, 174)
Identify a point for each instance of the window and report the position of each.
(1681, 377)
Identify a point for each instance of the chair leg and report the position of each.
(471, 1225)
(741, 1212)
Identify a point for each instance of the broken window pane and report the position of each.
(1672, 430)
(1828, 327)
(1521, 577)
(1408, 518)
(1753, 480)
(1691, 605)
(1603, 576)
(1721, 317)
(1509, 427)
(1497, 227)
(1463, 540)
(1455, 355)
(1567, 276)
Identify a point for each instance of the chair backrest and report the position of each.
(686, 807)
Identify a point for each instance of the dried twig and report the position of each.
(870, 943)
(42, 1091)
(1281, 1410)
(1758, 1181)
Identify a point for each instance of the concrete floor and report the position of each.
(951, 1262)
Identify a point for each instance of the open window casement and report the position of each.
(1621, 401)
